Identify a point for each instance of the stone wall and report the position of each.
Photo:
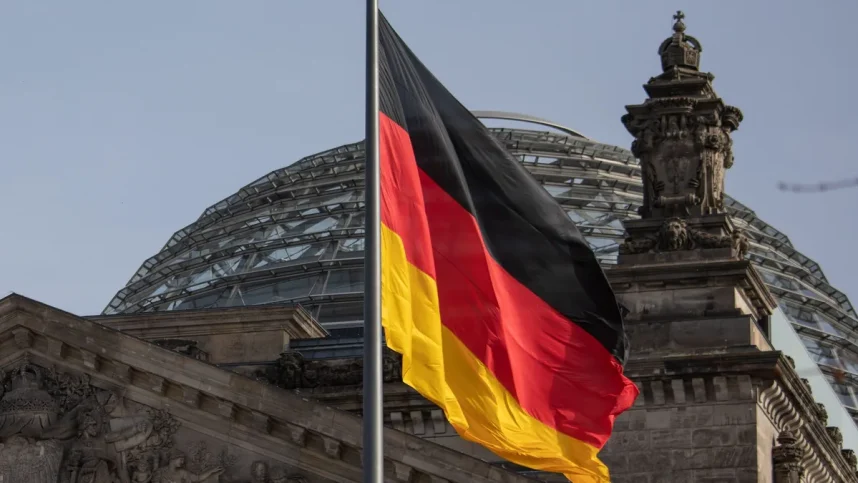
(702, 429)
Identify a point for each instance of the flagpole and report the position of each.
(373, 415)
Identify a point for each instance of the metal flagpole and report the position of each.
(373, 449)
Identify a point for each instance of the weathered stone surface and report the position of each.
(142, 413)
(717, 436)
(255, 334)
(726, 457)
(671, 438)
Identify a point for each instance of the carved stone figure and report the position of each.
(176, 472)
(835, 435)
(201, 460)
(822, 413)
(259, 472)
(91, 459)
(288, 371)
(143, 472)
(849, 456)
(280, 475)
(292, 371)
(675, 234)
(28, 416)
(56, 427)
(391, 366)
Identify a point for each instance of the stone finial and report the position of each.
(787, 459)
(680, 50)
(683, 138)
(806, 383)
(822, 413)
(678, 26)
(850, 458)
(835, 435)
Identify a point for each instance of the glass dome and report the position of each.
(296, 236)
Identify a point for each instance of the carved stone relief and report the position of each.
(260, 472)
(292, 371)
(57, 427)
(682, 135)
(675, 235)
(183, 346)
(683, 156)
(787, 459)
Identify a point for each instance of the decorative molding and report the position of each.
(403, 472)
(292, 371)
(158, 384)
(57, 348)
(333, 447)
(777, 406)
(397, 421)
(191, 396)
(226, 409)
(417, 423)
(23, 337)
(298, 435)
(787, 459)
(170, 378)
(123, 372)
(58, 421)
(261, 422)
(90, 360)
(439, 421)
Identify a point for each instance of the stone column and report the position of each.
(787, 458)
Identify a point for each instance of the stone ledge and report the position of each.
(694, 335)
(296, 321)
(629, 281)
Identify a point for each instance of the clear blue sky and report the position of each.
(121, 121)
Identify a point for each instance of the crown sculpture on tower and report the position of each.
(683, 141)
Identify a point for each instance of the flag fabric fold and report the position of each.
(500, 309)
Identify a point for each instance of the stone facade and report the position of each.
(85, 403)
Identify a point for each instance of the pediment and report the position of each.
(85, 401)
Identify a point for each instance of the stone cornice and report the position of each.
(295, 321)
(259, 416)
(736, 273)
(788, 394)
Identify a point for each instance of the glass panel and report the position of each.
(340, 312)
(345, 281)
(351, 248)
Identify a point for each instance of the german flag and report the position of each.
(500, 309)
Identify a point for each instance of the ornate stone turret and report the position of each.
(680, 51)
(683, 140)
(682, 136)
(714, 394)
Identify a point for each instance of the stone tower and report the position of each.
(717, 402)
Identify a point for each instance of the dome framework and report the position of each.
(295, 236)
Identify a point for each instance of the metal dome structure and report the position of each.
(295, 236)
